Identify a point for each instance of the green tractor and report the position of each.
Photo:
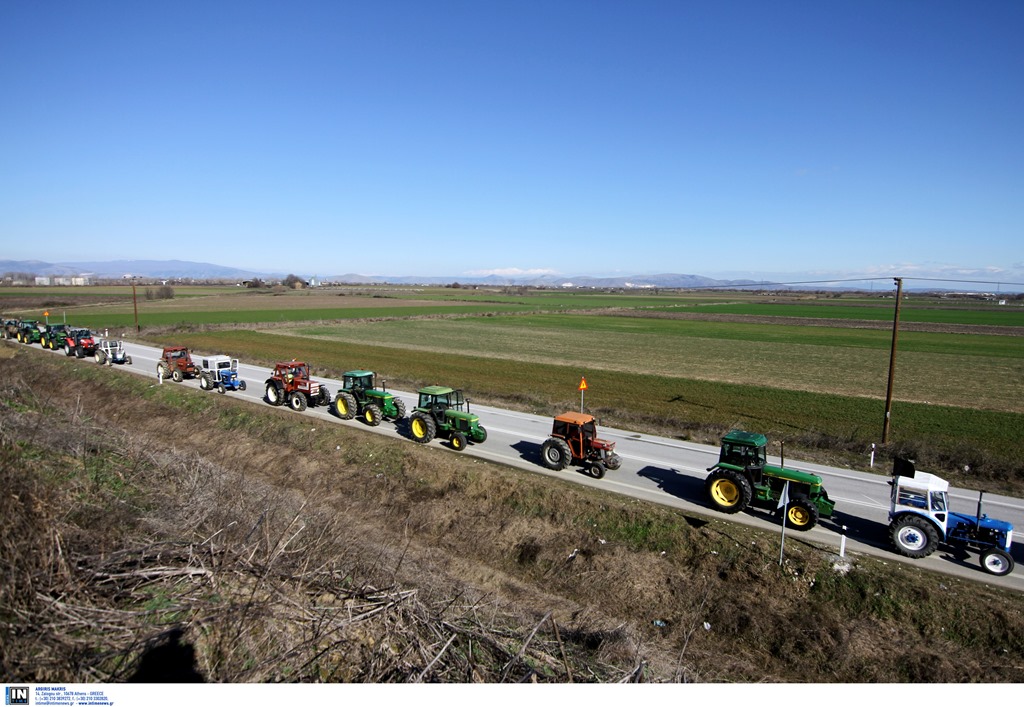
(30, 331)
(439, 413)
(359, 396)
(742, 477)
(54, 336)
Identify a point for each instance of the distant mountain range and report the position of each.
(184, 270)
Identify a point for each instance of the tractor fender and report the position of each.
(896, 516)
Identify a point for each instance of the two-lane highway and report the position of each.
(670, 472)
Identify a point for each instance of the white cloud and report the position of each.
(512, 272)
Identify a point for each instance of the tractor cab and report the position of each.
(744, 451)
(921, 494)
(438, 400)
(358, 381)
(580, 431)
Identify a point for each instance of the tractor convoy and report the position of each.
(920, 520)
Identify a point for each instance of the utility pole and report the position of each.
(135, 303)
(892, 358)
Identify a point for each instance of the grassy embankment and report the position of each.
(137, 514)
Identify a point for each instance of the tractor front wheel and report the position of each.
(801, 514)
(613, 461)
(241, 385)
(221, 388)
(555, 453)
(997, 562)
(597, 470)
(422, 427)
(913, 536)
(458, 441)
(372, 415)
(728, 490)
(177, 376)
(297, 401)
(481, 435)
(345, 405)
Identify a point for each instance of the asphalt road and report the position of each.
(671, 473)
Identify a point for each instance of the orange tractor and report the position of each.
(574, 440)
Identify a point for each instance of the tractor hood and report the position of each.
(1000, 526)
(603, 444)
(459, 415)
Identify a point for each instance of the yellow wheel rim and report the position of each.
(342, 407)
(798, 515)
(725, 492)
(418, 428)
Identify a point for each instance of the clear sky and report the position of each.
(448, 137)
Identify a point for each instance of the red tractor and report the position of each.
(574, 440)
(290, 383)
(176, 362)
(78, 342)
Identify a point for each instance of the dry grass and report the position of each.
(257, 545)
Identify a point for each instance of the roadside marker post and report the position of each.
(783, 502)
(583, 387)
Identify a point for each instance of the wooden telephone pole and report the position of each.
(892, 358)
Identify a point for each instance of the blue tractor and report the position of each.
(920, 519)
(220, 372)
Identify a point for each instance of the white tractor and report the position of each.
(220, 372)
(109, 352)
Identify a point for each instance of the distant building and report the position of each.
(42, 281)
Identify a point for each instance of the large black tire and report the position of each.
(345, 405)
(555, 453)
(801, 514)
(399, 409)
(913, 536)
(323, 397)
(275, 394)
(729, 491)
(481, 436)
(241, 385)
(372, 415)
(996, 561)
(422, 427)
(297, 401)
(79, 352)
(613, 461)
(177, 376)
(221, 388)
(161, 371)
(205, 382)
(597, 470)
(68, 350)
(101, 356)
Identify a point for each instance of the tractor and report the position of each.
(742, 477)
(220, 372)
(30, 331)
(79, 342)
(54, 336)
(290, 383)
(359, 396)
(439, 413)
(10, 330)
(574, 440)
(109, 352)
(176, 362)
(920, 520)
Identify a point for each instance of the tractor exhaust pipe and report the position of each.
(980, 495)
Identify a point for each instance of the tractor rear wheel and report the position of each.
(422, 427)
(345, 405)
(458, 441)
(67, 350)
(913, 536)
(161, 371)
(101, 357)
(597, 470)
(555, 453)
(399, 408)
(996, 561)
(728, 490)
(297, 401)
(801, 514)
(275, 395)
(204, 382)
(372, 415)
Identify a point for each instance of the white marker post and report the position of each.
(583, 387)
(783, 502)
(842, 543)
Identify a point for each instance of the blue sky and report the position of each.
(815, 138)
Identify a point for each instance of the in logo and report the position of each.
(16, 695)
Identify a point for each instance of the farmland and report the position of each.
(690, 365)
